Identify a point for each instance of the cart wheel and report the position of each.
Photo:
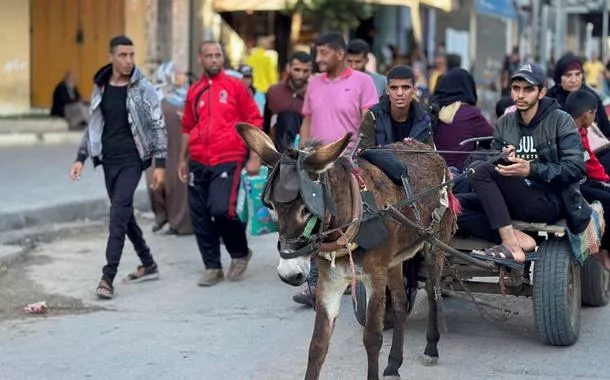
(557, 294)
(360, 309)
(595, 283)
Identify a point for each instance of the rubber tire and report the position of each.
(556, 304)
(595, 283)
(360, 310)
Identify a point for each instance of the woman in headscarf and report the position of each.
(456, 117)
(568, 78)
(170, 203)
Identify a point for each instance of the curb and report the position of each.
(15, 246)
(94, 209)
(33, 138)
(11, 254)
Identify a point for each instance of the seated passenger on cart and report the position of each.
(539, 182)
(397, 116)
(582, 106)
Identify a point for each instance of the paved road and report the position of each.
(37, 176)
(171, 329)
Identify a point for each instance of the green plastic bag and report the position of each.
(250, 208)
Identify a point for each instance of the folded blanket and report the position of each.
(588, 242)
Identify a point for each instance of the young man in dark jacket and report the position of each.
(397, 116)
(125, 133)
(538, 181)
(216, 154)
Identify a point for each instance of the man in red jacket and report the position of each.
(214, 105)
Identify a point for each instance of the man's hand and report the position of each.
(509, 152)
(183, 174)
(158, 178)
(253, 165)
(76, 170)
(519, 168)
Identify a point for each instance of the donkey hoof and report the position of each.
(430, 361)
(392, 377)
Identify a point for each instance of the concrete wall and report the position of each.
(14, 56)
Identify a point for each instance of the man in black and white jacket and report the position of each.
(125, 133)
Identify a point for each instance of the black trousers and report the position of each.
(506, 198)
(596, 191)
(121, 183)
(212, 201)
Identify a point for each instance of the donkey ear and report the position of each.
(323, 158)
(258, 142)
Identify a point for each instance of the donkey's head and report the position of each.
(298, 195)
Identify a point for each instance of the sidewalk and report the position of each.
(36, 131)
(36, 189)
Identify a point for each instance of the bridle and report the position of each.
(317, 197)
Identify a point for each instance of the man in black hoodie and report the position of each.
(538, 180)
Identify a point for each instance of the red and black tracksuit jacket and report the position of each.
(213, 108)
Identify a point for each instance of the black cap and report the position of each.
(531, 73)
(245, 70)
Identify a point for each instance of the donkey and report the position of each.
(376, 268)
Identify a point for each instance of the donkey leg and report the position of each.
(328, 300)
(373, 327)
(397, 288)
(433, 273)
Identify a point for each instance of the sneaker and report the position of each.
(306, 297)
(143, 273)
(238, 267)
(211, 277)
(158, 226)
(171, 232)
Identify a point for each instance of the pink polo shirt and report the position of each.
(335, 106)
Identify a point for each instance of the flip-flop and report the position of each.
(501, 255)
(104, 291)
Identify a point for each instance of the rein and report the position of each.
(343, 245)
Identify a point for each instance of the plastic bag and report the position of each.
(250, 208)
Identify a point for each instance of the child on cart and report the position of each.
(582, 106)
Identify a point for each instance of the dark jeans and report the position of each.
(121, 184)
(212, 201)
(596, 191)
(506, 198)
(472, 221)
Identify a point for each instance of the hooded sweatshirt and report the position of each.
(552, 144)
(566, 63)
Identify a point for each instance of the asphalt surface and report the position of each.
(171, 329)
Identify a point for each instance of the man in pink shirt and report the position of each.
(337, 99)
(335, 103)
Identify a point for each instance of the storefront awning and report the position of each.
(252, 5)
(276, 5)
(497, 8)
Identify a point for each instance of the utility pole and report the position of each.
(534, 41)
(604, 38)
(544, 41)
(560, 22)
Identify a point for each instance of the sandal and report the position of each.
(143, 273)
(499, 251)
(104, 290)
